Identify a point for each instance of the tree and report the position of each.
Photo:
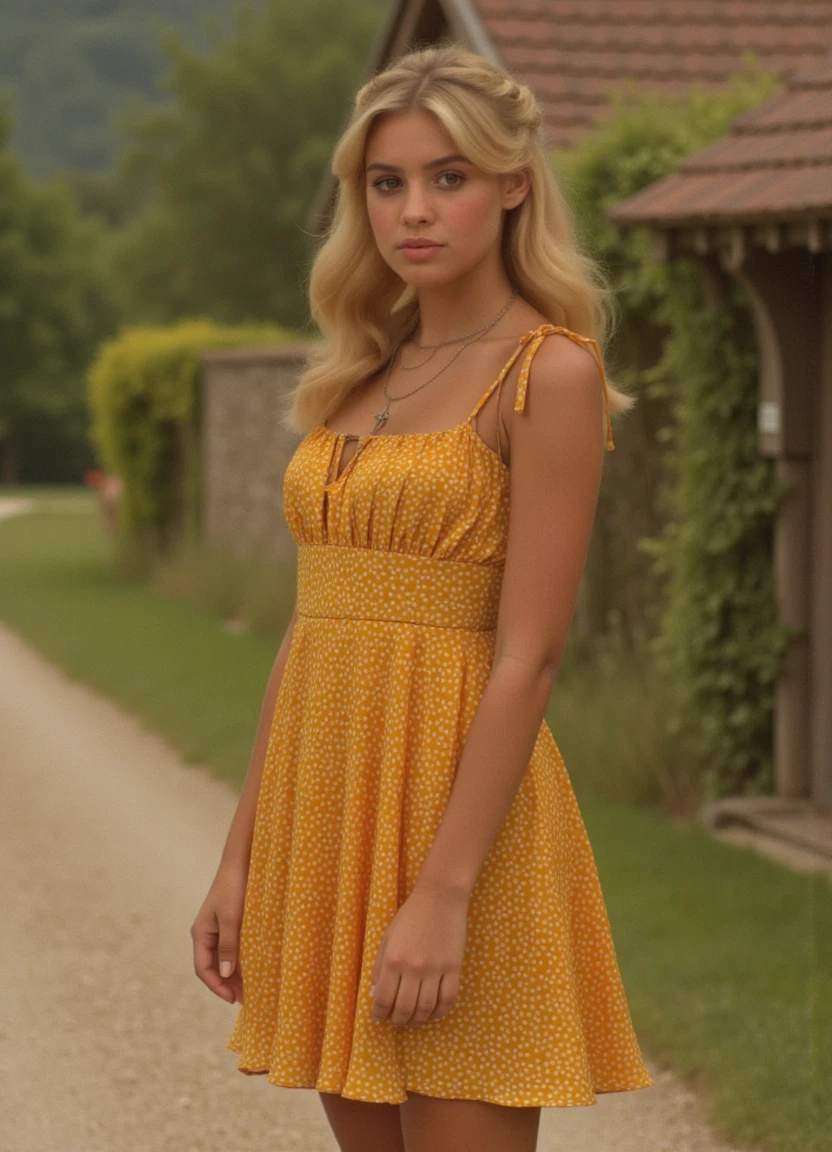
(54, 307)
(230, 169)
(72, 62)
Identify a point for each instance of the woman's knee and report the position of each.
(363, 1126)
(433, 1124)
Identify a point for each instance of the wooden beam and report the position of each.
(701, 240)
(733, 251)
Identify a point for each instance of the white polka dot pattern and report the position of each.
(399, 573)
(364, 583)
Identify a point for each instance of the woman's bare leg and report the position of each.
(430, 1124)
(362, 1126)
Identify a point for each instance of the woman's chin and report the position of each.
(428, 277)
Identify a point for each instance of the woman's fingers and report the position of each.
(212, 945)
(409, 999)
(216, 934)
(385, 994)
(204, 938)
(235, 984)
(445, 996)
(426, 1001)
(227, 944)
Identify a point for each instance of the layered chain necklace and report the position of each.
(384, 414)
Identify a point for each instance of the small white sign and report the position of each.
(768, 417)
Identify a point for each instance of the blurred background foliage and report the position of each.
(224, 177)
(157, 162)
(72, 63)
(56, 303)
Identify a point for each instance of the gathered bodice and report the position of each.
(438, 494)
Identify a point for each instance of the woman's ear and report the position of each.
(516, 186)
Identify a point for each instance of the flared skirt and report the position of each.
(369, 726)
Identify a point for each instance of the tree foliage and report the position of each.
(71, 63)
(54, 306)
(230, 169)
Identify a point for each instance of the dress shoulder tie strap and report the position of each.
(536, 337)
(503, 373)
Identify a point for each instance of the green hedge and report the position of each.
(143, 390)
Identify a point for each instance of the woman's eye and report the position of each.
(385, 181)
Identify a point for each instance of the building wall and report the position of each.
(245, 450)
(821, 550)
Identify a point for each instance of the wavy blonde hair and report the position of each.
(361, 306)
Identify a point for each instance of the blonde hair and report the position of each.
(361, 306)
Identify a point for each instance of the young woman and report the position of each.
(407, 897)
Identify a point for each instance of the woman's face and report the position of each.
(418, 187)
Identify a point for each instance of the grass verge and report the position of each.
(170, 662)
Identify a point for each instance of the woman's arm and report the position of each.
(238, 843)
(556, 461)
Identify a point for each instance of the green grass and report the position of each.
(608, 712)
(170, 662)
(726, 957)
(727, 960)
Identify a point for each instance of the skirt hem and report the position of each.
(422, 1089)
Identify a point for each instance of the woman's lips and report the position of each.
(422, 252)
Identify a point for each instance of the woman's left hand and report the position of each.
(416, 973)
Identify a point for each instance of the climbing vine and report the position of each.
(718, 638)
(683, 547)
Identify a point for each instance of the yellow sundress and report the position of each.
(400, 561)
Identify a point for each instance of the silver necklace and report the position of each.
(384, 414)
(456, 340)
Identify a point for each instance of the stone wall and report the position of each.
(245, 449)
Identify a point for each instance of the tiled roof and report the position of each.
(571, 51)
(775, 162)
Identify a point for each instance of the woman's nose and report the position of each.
(416, 206)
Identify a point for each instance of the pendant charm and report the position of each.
(381, 417)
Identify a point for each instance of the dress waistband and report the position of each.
(372, 584)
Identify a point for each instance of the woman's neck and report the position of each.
(451, 311)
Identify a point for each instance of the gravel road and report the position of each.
(108, 1041)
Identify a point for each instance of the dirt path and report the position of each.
(14, 506)
(108, 843)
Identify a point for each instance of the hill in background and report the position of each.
(72, 64)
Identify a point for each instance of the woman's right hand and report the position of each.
(216, 934)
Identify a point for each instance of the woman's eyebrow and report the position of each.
(430, 164)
